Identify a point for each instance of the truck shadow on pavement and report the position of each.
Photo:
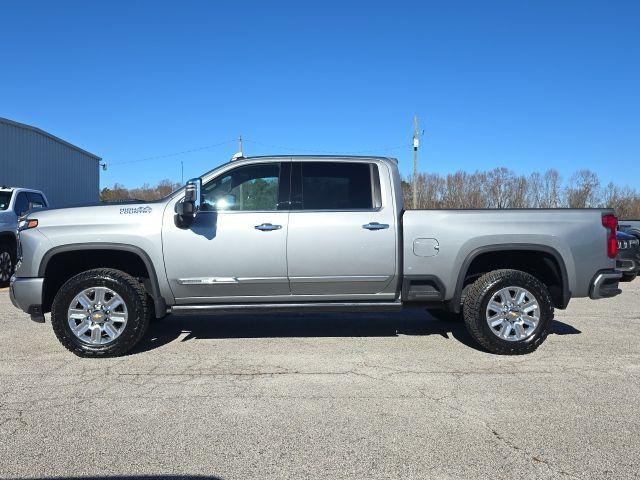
(290, 325)
(138, 477)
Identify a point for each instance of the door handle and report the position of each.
(267, 227)
(375, 226)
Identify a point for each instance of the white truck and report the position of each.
(306, 233)
(14, 202)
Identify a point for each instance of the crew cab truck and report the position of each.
(306, 233)
(14, 202)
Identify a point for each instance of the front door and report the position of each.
(235, 250)
(342, 237)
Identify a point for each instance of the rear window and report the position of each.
(5, 198)
(336, 186)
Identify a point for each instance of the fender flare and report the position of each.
(525, 247)
(159, 301)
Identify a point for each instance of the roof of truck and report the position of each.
(311, 157)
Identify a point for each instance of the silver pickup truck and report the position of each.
(14, 202)
(306, 233)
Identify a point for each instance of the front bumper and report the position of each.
(605, 284)
(26, 294)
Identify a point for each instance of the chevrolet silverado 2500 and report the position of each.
(306, 233)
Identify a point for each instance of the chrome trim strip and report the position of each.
(341, 278)
(229, 280)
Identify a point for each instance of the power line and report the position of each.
(158, 157)
(318, 150)
(255, 142)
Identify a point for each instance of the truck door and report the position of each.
(342, 239)
(236, 246)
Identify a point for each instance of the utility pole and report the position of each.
(416, 144)
(181, 171)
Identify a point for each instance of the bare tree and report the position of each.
(583, 189)
(551, 190)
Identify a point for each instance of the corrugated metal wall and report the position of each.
(33, 159)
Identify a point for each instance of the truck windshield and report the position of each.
(5, 198)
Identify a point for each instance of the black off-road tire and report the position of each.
(131, 291)
(479, 295)
(7, 250)
(629, 277)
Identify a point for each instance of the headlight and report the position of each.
(27, 224)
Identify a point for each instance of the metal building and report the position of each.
(33, 158)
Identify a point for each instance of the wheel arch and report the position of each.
(561, 298)
(9, 238)
(108, 253)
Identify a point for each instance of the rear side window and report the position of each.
(336, 186)
(36, 200)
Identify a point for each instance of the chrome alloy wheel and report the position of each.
(97, 315)
(5, 267)
(513, 313)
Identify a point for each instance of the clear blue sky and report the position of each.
(523, 84)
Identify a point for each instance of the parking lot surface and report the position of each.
(326, 396)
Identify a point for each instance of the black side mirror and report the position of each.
(187, 209)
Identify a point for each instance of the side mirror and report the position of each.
(187, 209)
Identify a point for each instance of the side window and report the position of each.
(22, 204)
(336, 186)
(247, 188)
(36, 200)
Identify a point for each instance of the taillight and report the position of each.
(610, 222)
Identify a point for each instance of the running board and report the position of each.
(288, 307)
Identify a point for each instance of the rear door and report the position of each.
(341, 238)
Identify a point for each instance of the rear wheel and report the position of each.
(100, 313)
(7, 264)
(508, 312)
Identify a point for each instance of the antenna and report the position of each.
(103, 165)
(239, 154)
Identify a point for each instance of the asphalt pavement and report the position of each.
(366, 396)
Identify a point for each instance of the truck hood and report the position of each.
(99, 214)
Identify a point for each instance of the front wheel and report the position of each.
(508, 312)
(7, 264)
(100, 313)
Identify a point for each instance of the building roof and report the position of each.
(46, 134)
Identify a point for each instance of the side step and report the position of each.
(287, 307)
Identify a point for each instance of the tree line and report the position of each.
(497, 188)
(503, 188)
(120, 193)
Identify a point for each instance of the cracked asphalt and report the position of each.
(326, 396)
